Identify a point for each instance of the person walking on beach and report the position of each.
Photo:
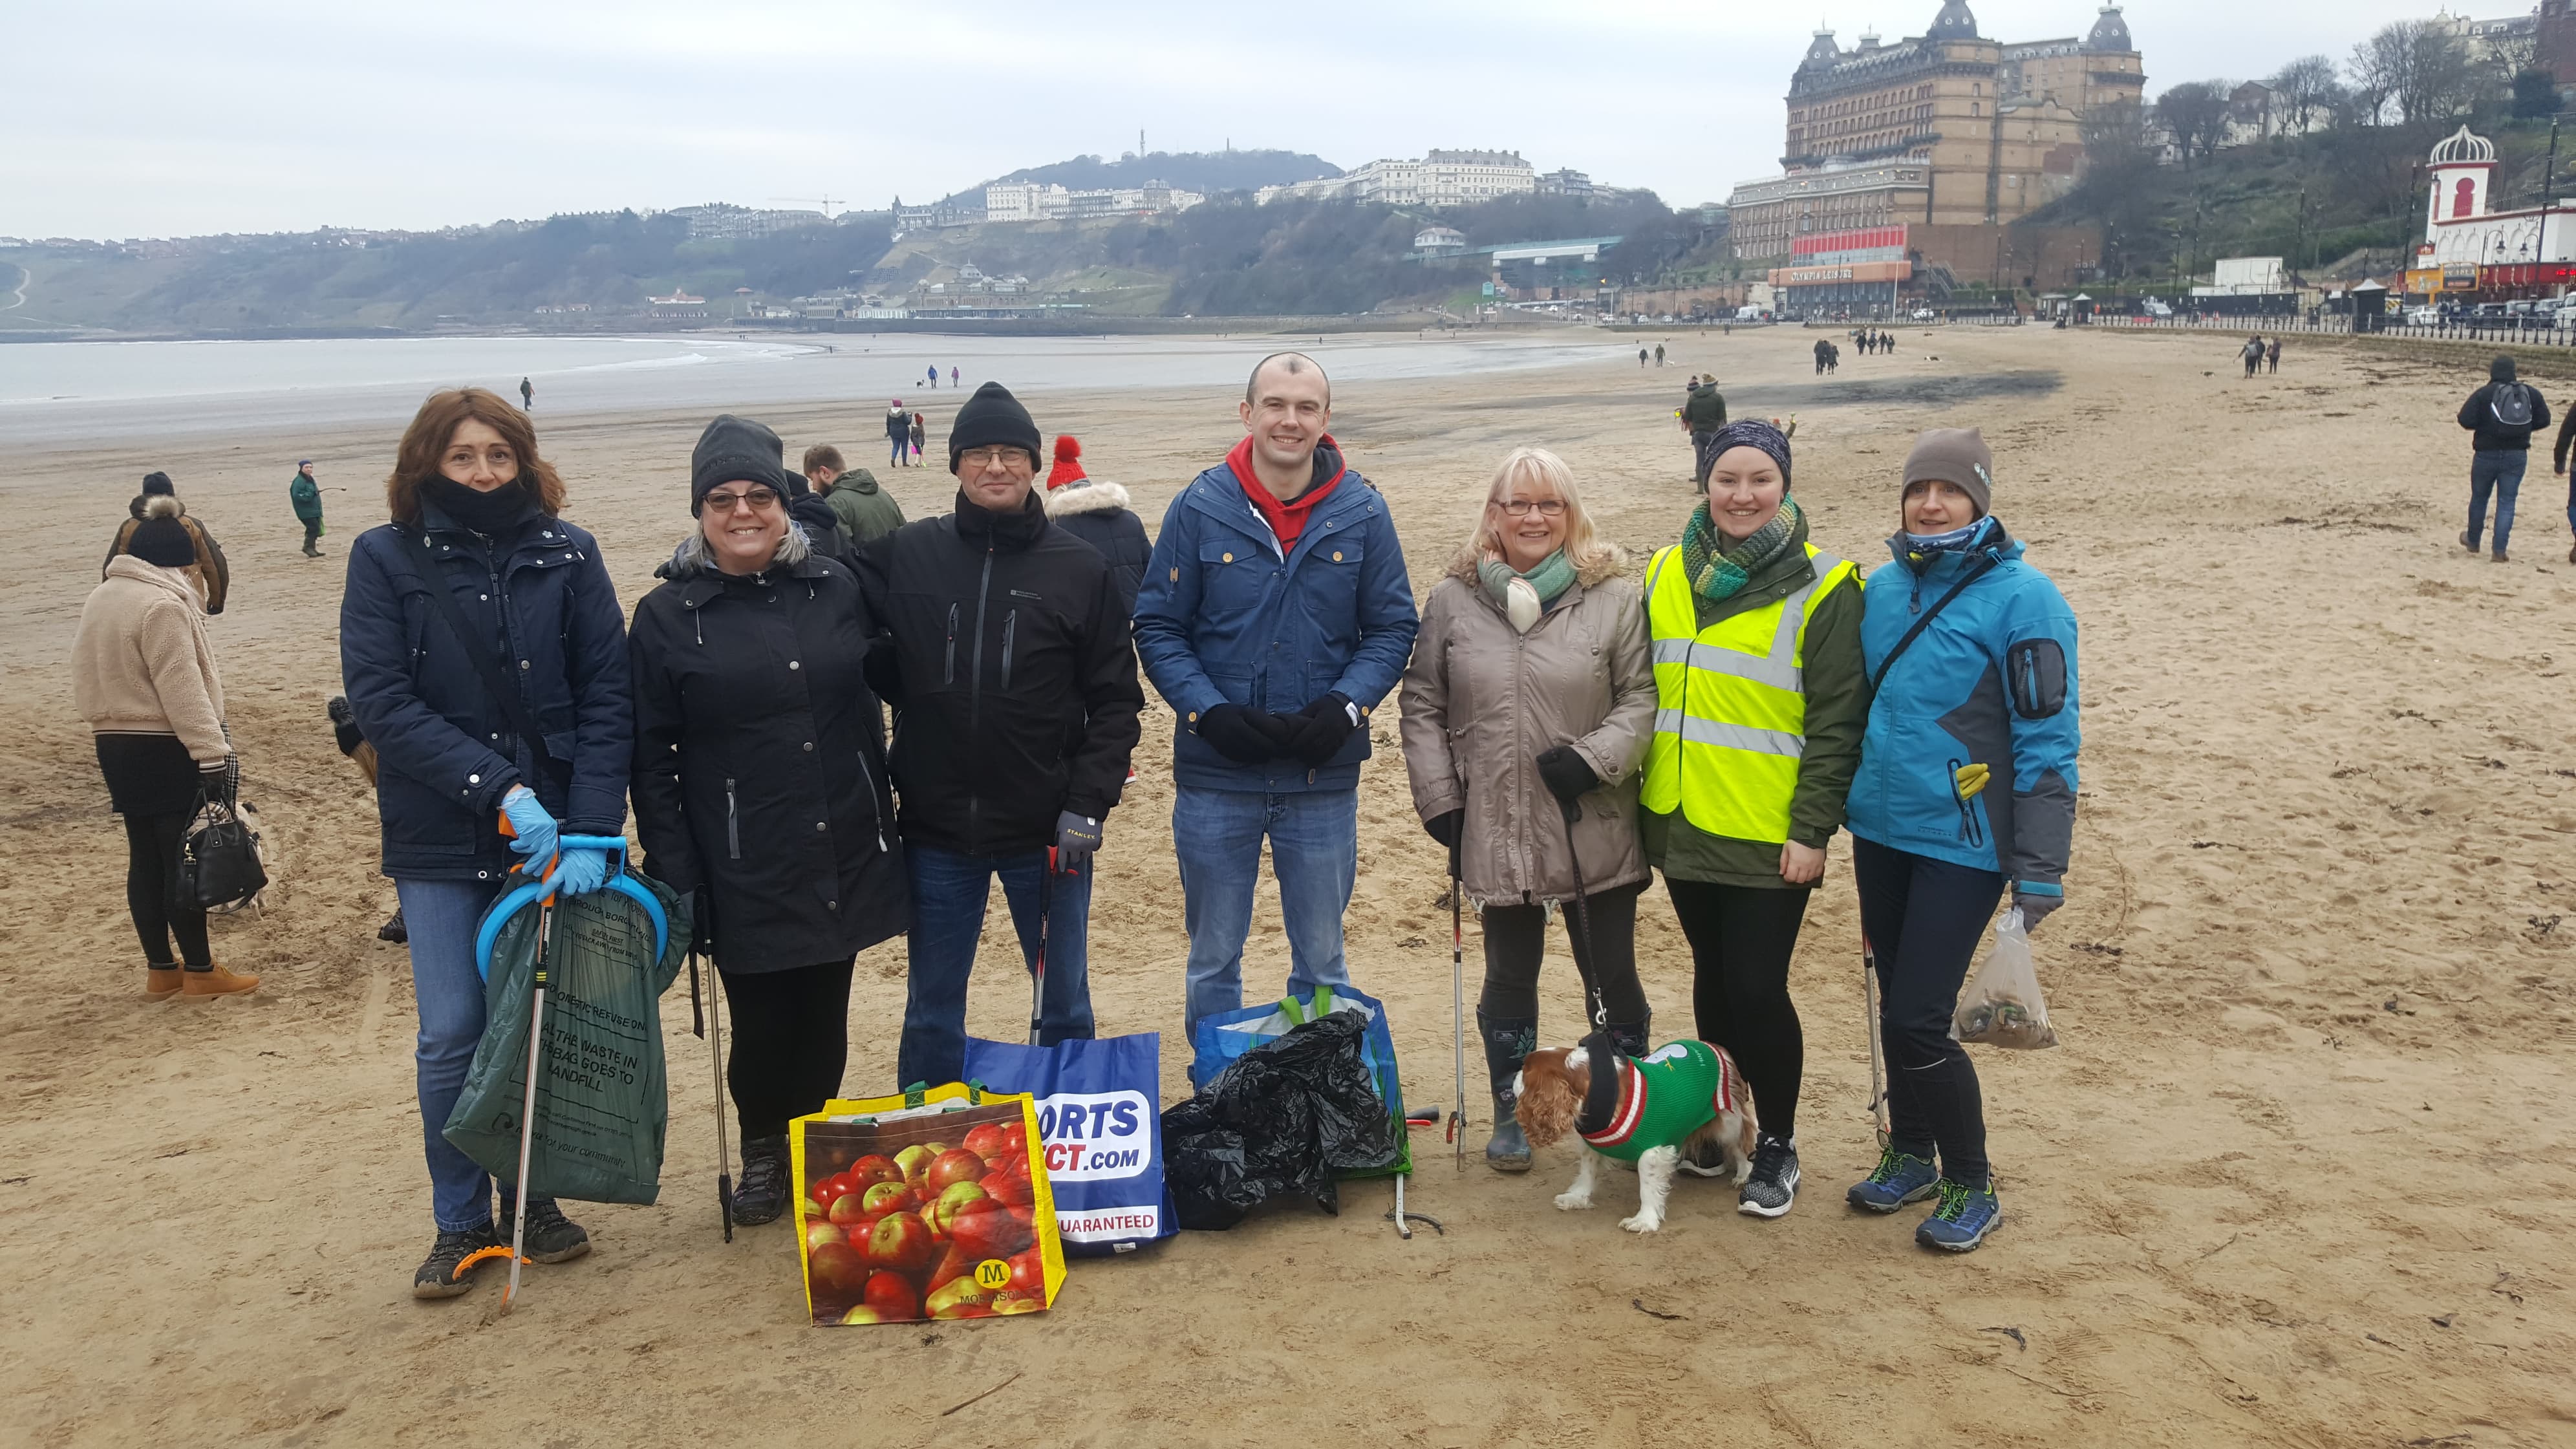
(1966, 790)
(920, 434)
(867, 512)
(2253, 353)
(1703, 413)
(527, 396)
(952, 375)
(934, 375)
(306, 497)
(1530, 694)
(1823, 350)
(144, 678)
(1016, 706)
(540, 735)
(1275, 615)
(899, 433)
(212, 571)
(2501, 417)
(1659, 354)
(2566, 438)
(1760, 707)
(2272, 354)
(761, 789)
(1097, 512)
(1641, 357)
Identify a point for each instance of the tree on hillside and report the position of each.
(2535, 94)
(2305, 89)
(2415, 68)
(2120, 185)
(2505, 57)
(2195, 115)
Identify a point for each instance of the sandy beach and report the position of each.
(2301, 1174)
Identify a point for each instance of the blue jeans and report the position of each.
(949, 891)
(442, 916)
(1314, 850)
(2497, 470)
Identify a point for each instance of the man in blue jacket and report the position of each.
(1275, 615)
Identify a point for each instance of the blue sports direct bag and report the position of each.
(1099, 1117)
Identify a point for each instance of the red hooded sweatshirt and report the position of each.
(1288, 520)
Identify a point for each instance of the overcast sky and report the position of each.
(124, 118)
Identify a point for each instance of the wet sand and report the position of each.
(2300, 1173)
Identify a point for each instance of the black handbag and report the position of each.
(219, 865)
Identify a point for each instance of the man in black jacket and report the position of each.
(2500, 417)
(1016, 710)
(1703, 413)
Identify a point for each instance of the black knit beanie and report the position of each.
(157, 483)
(993, 418)
(735, 450)
(163, 541)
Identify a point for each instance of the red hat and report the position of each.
(1068, 461)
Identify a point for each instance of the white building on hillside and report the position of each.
(2460, 231)
(1029, 201)
(1440, 178)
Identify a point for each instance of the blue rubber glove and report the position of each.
(579, 873)
(535, 829)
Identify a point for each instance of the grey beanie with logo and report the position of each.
(1957, 456)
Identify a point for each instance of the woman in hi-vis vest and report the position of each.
(1760, 704)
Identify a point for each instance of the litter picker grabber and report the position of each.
(1457, 1009)
(1037, 968)
(698, 1027)
(1583, 917)
(1877, 1051)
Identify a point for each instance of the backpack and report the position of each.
(2511, 404)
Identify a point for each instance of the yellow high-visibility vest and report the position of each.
(1730, 702)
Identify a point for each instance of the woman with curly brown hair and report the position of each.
(478, 514)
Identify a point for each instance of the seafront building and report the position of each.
(1944, 129)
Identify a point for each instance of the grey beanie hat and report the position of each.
(1958, 456)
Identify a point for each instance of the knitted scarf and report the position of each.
(1717, 571)
(1542, 585)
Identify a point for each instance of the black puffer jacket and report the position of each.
(760, 767)
(1012, 677)
(1097, 513)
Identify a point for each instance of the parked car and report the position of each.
(2422, 316)
(2155, 307)
(1921, 314)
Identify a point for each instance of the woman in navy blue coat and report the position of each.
(476, 513)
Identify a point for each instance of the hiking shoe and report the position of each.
(2499, 557)
(2468, 542)
(1963, 1219)
(1901, 1178)
(762, 1194)
(160, 983)
(1774, 1183)
(215, 981)
(443, 1274)
(393, 929)
(550, 1236)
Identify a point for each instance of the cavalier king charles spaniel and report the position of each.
(1684, 1100)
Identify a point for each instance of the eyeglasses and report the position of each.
(759, 500)
(976, 460)
(1520, 507)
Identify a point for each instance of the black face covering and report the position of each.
(496, 514)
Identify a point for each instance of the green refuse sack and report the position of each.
(603, 1099)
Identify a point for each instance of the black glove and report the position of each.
(1321, 727)
(1245, 736)
(1076, 837)
(344, 724)
(1444, 828)
(1566, 775)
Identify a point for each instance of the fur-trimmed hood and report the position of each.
(1089, 495)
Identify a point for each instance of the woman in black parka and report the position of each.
(760, 786)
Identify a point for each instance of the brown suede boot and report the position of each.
(160, 983)
(216, 981)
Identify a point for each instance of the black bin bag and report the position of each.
(1288, 1116)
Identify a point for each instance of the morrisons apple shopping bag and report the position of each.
(932, 1204)
(1102, 1131)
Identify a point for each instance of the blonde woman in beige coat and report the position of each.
(1532, 689)
(143, 675)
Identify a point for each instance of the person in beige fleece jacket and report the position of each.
(144, 676)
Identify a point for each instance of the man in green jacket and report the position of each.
(865, 511)
(306, 495)
(1703, 413)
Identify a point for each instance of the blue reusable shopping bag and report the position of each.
(1100, 1117)
(1226, 1035)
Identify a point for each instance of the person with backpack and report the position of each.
(212, 572)
(2500, 417)
(1703, 413)
(1966, 790)
(484, 654)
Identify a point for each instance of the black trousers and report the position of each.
(1924, 918)
(151, 861)
(1516, 941)
(1741, 938)
(791, 1040)
(1704, 450)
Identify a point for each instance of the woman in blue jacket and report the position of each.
(475, 513)
(1966, 789)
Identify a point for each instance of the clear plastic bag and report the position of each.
(2002, 1005)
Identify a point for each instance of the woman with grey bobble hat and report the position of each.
(1966, 790)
